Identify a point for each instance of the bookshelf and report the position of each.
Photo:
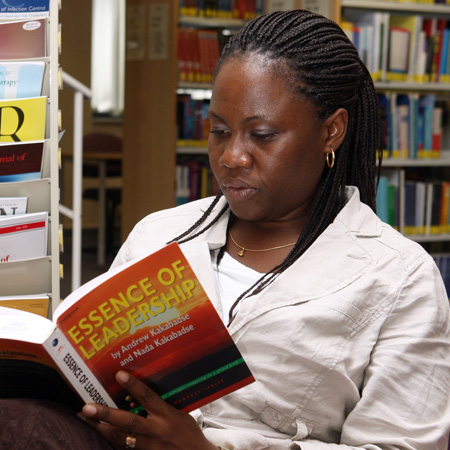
(41, 275)
(427, 167)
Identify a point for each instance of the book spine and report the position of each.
(76, 372)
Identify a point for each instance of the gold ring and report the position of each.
(130, 441)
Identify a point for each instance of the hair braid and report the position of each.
(180, 239)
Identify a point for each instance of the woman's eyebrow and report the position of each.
(246, 120)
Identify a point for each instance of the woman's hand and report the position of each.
(164, 428)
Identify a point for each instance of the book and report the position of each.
(21, 79)
(13, 9)
(21, 161)
(150, 317)
(23, 236)
(36, 304)
(11, 206)
(23, 39)
(398, 63)
(23, 119)
(427, 104)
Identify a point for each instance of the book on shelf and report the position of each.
(23, 39)
(388, 199)
(23, 119)
(21, 161)
(398, 64)
(182, 191)
(24, 9)
(150, 317)
(36, 304)
(21, 79)
(23, 236)
(12, 206)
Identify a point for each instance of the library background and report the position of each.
(124, 88)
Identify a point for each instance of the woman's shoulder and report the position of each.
(158, 228)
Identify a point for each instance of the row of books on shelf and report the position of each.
(426, 205)
(412, 124)
(197, 53)
(396, 47)
(194, 180)
(224, 9)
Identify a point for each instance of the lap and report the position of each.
(39, 424)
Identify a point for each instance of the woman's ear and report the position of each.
(336, 128)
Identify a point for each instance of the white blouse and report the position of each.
(233, 278)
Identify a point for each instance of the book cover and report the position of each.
(150, 317)
(21, 79)
(429, 28)
(426, 110)
(437, 130)
(23, 119)
(11, 206)
(23, 236)
(15, 9)
(398, 63)
(23, 39)
(410, 208)
(21, 161)
(436, 208)
(444, 207)
(36, 304)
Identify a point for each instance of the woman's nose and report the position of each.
(236, 154)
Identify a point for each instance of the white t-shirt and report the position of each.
(234, 278)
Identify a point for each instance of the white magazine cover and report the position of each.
(23, 237)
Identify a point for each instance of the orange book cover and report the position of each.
(152, 318)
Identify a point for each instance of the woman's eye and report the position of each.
(263, 136)
(219, 132)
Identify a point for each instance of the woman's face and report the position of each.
(266, 145)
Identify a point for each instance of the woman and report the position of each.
(343, 322)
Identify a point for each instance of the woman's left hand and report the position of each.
(165, 427)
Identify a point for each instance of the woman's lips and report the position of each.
(238, 190)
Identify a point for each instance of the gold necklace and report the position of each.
(243, 249)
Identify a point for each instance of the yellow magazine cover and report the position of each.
(22, 120)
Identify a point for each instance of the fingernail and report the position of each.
(122, 376)
(89, 410)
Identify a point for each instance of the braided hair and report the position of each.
(328, 72)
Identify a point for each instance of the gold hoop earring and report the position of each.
(330, 164)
